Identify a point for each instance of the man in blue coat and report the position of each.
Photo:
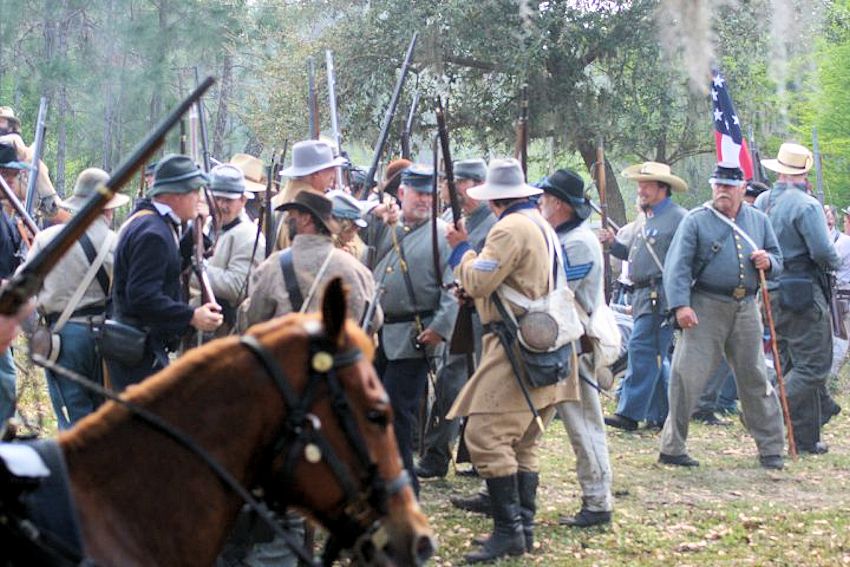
(146, 292)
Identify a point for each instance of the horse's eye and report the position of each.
(378, 417)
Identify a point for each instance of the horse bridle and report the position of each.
(301, 433)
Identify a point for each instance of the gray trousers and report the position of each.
(441, 432)
(733, 328)
(585, 427)
(805, 348)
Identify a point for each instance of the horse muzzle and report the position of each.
(375, 548)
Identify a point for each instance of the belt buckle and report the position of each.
(739, 292)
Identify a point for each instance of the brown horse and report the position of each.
(142, 499)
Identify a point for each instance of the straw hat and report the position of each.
(505, 180)
(254, 170)
(86, 185)
(654, 171)
(793, 159)
(8, 113)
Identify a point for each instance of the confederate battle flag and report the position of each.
(730, 142)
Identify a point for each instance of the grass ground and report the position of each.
(728, 511)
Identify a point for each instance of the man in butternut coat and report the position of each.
(501, 433)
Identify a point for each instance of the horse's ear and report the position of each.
(333, 310)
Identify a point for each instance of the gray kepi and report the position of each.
(311, 156)
(505, 180)
(227, 181)
(86, 186)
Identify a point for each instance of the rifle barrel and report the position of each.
(448, 166)
(38, 144)
(335, 133)
(388, 118)
(312, 102)
(28, 281)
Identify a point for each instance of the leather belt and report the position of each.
(91, 311)
(407, 318)
(740, 292)
(648, 283)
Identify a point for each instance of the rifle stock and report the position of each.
(23, 285)
(38, 144)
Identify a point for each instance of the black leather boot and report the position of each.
(527, 484)
(507, 537)
(480, 503)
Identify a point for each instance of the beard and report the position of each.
(291, 228)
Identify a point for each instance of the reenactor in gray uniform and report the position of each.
(644, 389)
(452, 374)
(566, 208)
(419, 313)
(799, 296)
(711, 279)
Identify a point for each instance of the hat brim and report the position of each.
(232, 196)
(181, 186)
(677, 184)
(774, 165)
(19, 165)
(293, 171)
(725, 181)
(490, 192)
(254, 186)
(75, 203)
(331, 224)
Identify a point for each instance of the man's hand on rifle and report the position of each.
(429, 337)
(388, 212)
(456, 235)
(606, 235)
(761, 260)
(202, 209)
(207, 317)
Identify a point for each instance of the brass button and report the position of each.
(312, 453)
(742, 266)
(322, 361)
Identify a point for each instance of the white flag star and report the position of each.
(718, 81)
(735, 120)
(714, 95)
(718, 116)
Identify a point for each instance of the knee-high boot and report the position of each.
(527, 484)
(507, 537)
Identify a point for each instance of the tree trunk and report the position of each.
(616, 206)
(223, 110)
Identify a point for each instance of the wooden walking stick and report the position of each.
(777, 364)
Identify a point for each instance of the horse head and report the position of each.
(342, 465)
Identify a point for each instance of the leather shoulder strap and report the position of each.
(91, 254)
(290, 280)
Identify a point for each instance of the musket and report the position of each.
(271, 234)
(38, 145)
(759, 174)
(27, 220)
(601, 186)
(385, 126)
(336, 135)
(521, 148)
(443, 132)
(408, 124)
(818, 164)
(367, 320)
(312, 101)
(608, 219)
(26, 283)
(205, 160)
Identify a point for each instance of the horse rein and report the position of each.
(302, 433)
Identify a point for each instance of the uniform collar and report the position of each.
(569, 225)
(231, 224)
(166, 211)
(659, 208)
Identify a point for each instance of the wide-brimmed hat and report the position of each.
(228, 181)
(9, 157)
(347, 207)
(568, 186)
(8, 113)
(311, 156)
(392, 175)
(792, 159)
(655, 171)
(177, 174)
(726, 174)
(505, 180)
(86, 185)
(419, 177)
(254, 170)
(317, 205)
(475, 169)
